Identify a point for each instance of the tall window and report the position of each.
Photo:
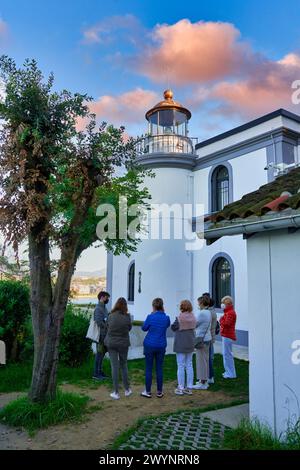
(220, 188)
(221, 280)
(131, 273)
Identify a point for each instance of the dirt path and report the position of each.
(102, 427)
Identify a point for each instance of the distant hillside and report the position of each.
(100, 273)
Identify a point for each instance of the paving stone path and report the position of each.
(182, 431)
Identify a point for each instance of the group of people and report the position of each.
(192, 333)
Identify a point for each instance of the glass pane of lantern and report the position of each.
(166, 117)
(179, 117)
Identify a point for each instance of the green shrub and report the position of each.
(67, 407)
(74, 347)
(14, 315)
(27, 347)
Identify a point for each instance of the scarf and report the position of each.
(187, 321)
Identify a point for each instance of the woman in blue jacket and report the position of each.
(155, 343)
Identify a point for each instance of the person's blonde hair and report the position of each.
(227, 297)
(186, 306)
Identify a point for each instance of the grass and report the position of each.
(125, 436)
(66, 408)
(253, 435)
(17, 377)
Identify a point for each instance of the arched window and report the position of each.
(220, 188)
(131, 273)
(221, 280)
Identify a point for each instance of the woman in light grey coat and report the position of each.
(203, 333)
(184, 327)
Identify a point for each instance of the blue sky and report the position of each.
(229, 61)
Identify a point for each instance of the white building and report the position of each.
(270, 220)
(214, 172)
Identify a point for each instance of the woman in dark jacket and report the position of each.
(117, 342)
(184, 327)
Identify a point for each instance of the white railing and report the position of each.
(165, 143)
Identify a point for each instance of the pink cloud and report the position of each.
(268, 88)
(210, 59)
(194, 52)
(128, 107)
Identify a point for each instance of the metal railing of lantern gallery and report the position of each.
(166, 143)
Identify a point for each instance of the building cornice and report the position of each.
(185, 161)
(249, 125)
(254, 143)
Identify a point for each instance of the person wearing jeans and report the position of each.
(184, 328)
(117, 343)
(227, 323)
(155, 343)
(151, 355)
(100, 317)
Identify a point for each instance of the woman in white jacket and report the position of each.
(203, 334)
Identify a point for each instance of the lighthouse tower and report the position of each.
(162, 267)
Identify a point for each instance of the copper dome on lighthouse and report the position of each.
(168, 103)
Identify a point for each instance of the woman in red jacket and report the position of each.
(227, 324)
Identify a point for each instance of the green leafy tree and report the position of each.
(14, 312)
(52, 178)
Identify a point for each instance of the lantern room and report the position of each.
(168, 117)
(167, 128)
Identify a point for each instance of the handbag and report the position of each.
(199, 340)
(93, 331)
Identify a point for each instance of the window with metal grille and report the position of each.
(221, 280)
(131, 273)
(220, 188)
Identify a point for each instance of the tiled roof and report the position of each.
(283, 193)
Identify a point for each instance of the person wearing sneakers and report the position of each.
(227, 323)
(117, 343)
(184, 328)
(155, 343)
(214, 329)
(100, 317)
(202, 343)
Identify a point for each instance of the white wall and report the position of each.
(235, 247)
(248, 172)
(201, 182)
(274, 286)
(165, 265)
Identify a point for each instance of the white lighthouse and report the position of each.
(162, 267)
(212, 173)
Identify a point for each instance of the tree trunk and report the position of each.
(47, 314)
(41, 310)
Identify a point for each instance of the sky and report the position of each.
(227, 61)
